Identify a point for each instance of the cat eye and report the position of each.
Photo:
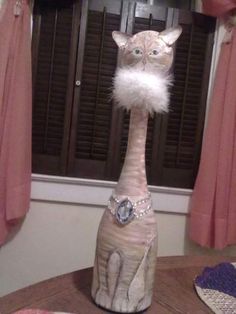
(154, 52)
(137, 51)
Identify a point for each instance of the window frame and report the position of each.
(114, 118)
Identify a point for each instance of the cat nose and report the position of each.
(144, 64)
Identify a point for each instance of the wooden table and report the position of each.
(173, 293)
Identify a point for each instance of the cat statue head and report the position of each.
(148, 50)
(142, 78)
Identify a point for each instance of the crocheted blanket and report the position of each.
(216, 286)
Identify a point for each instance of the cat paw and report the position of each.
(120, 305)
(102, 299)
(144, 303)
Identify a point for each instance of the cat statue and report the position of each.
(124, 268)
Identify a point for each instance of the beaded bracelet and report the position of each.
(124, 210)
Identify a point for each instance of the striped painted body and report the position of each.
(125, 264)
(125, 257)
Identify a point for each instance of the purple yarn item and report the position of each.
(222, 278)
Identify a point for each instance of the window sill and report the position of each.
(93, 193)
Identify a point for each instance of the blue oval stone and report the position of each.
(124, 211)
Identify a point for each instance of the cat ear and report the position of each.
(170, 35)
(120, 38)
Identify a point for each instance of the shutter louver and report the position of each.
(187, 105)
(178, 147)
(51, 82)
(95, 103)
(95, 100)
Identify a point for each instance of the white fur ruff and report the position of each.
(135, 88)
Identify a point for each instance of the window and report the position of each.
(76, 129)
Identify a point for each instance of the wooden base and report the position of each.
(124, 269)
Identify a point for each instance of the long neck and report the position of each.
(133, 181)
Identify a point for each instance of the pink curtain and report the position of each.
(15, 112)
(218, 7)
(213, 206)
